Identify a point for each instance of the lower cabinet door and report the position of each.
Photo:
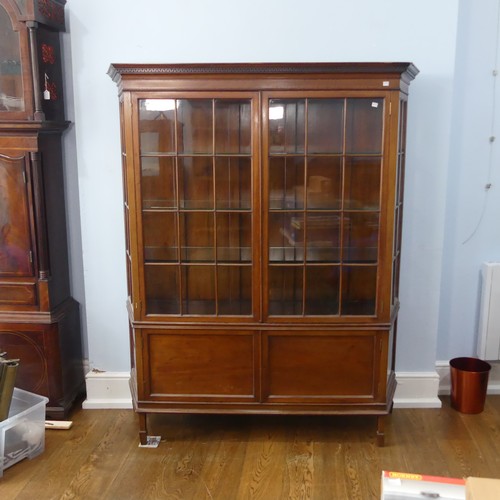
(197, 365)
(50, 358)
(324, 367)
(31, 347)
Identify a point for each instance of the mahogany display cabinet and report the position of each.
(39, 320)
(263, 208)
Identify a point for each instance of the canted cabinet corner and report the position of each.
(263, 209)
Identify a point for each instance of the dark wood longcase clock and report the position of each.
(263, 208)
(39, 320)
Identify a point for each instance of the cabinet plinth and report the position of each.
(263, 207)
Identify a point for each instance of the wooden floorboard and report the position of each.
(253, 456)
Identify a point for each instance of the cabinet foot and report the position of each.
(381, 431)
(143, 428)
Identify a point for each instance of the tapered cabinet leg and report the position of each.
(381, 431)
(143, 428)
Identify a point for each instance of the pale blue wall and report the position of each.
(102, 32)
(472, 226)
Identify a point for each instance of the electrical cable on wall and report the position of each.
(492, 137)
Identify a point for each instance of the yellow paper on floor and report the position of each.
(403, 485)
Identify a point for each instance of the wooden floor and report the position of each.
(253, 457)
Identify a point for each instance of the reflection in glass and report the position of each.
(233, 183)
(195, 126)
(162, 289)
(364, 125)
(401, 178)
(285, 290)
(234, 290)
(286, 237)
(198, 290)
(15, 238)
(197, 236)
(233, 126)
(395, 278)
(286, 126)
(160, 236)
(325, 124)
(286, 182)
(362, 183)
(397, 231)
(323, 237)
(234, 237)
(157, 125)
(11, 80)
(358, 290)
(324, 183)
(196, 185)
(361, 237)
(402, 126)
(322, 290)
(157, 182)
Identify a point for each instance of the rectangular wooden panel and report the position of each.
(187, 364)
(320, 366)
(18, 294)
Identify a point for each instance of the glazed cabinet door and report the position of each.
(326, 191)
(199, 220)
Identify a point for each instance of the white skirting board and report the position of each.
(414, 389)
(443, 369)
(107, 390)
(111, 390)
(417, 390)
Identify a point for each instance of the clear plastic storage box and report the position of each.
(22, 435)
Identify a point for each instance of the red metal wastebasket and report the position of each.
(469, 382)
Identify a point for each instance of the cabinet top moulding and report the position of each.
(386, 76)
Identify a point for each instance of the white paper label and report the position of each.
(151, 442)
(46, 95)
